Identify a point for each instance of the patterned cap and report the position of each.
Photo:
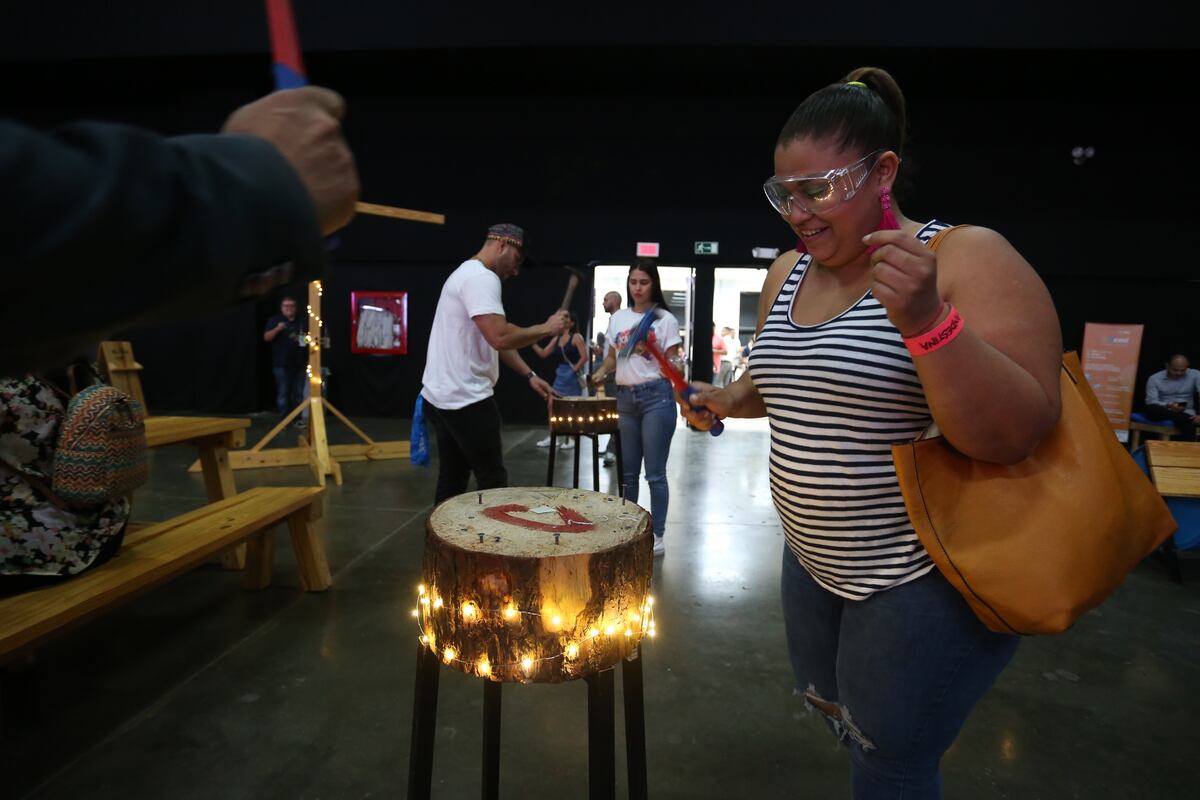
(509, 234)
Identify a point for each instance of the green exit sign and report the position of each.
(706, 248)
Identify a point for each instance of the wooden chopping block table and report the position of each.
(535, 585)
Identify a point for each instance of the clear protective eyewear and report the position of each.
(817, 194)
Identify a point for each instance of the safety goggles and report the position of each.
(817, 194)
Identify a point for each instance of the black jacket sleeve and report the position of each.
(107, 226)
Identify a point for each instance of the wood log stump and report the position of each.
(535, 584)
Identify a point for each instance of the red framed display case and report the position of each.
(379, 323)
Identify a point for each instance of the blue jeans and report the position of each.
(647, 424)
(289, 388)
(896, 675)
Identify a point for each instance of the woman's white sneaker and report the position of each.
(660, 546)
(544, 442)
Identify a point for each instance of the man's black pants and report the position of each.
(468, 440)
(1187, 428)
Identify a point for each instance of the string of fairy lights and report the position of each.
(633, 627)
(315, 344)
(604, 416)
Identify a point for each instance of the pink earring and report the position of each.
(888, 221)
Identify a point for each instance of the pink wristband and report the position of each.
(940, 336)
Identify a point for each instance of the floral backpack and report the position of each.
(100, 451)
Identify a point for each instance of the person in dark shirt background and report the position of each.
(285, 332)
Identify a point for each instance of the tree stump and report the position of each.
(535, 584)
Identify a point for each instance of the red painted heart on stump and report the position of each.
(572, 521)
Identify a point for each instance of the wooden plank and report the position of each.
(310, 553)
(348, 423)
(279, 426)
(400, 213)
(260, 559)
(178, 546)
(276, 457)
(1173, 454)
(161, 431)
(379, 451)
(1177, 481)
(218, 481)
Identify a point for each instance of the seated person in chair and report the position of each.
(1171, 395)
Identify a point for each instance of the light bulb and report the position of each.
(556, 621)
(468, 610)
(527, 663)
(484, 667)
(571, 650)
(510, 612)
(593, 633)
(414, 612)
(438, 603)
(628, 633)
(610, 630)
(448, 654)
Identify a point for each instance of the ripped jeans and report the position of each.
(895, 675)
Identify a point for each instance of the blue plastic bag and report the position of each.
(419, 438)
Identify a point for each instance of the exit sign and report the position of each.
(647, 249)
(706, 248)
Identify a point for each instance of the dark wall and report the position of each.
(592, 148)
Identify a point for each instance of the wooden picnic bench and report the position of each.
(156, 553)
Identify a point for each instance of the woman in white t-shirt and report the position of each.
(645, 399)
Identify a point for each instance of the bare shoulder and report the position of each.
(1001, 296)
(777, 273)
(973, 252)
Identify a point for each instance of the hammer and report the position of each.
(572, 283)
(643, 333)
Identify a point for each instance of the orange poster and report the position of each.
(1110, 359)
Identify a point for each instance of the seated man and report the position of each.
(1171, 395)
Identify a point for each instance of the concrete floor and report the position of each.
(203, 690)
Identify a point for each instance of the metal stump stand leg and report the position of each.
(491, 739)
(550, 466)
(595, 437)
(575, 485)
(620, 462)
(420, 754)
(602, 778)
(635, 725)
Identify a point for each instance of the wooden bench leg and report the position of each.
(310, 552)
(218, 482)
(260, 557)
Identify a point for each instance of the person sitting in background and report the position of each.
(1171, 395)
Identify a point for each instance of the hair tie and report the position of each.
(857, 83)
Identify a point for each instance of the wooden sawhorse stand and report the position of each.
(321, 457)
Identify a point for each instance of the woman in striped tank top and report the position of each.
(880, 643)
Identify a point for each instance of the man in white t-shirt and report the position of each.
(469, 339)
